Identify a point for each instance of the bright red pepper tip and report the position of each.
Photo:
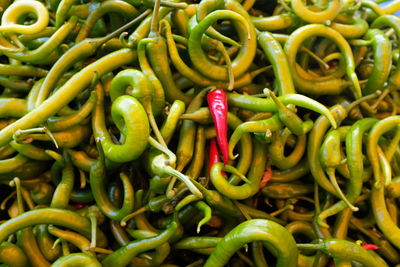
(370, 247)
(213, 156)
(266, 177)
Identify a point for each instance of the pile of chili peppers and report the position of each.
(199, 133)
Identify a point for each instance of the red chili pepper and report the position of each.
(79, 206)
(332, 63)
(370, 246)
(218, 105)
(266, 177)
(213, 156)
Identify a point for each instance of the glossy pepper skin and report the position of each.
(104, 89)
(213, 155)
(218, 105)
(284, 247)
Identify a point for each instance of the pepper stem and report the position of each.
(184, 179)
(123, 28)
(56, 242)
(243, 211)
(4, 202)
(381, 97)
(281, 210)
(16, 41)
(155, 128)
(164, 149)
(231, 77)
(315, 57)
(132, 215)
(200, 187)
(233, 170)
(155, 19)
(19, 134)
(332, 178)
(93, 223)
(17, 183)
(26, 196)
(361, 100)
(10, 48)
(170, 192)
(254, 73)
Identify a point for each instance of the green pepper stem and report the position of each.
(242, 210)
(228, 61)
(202, 189)
(279, 211)
(124, 28)
(93, 224)
(233, 170)
(25, 133)
(184, 179)
(17, 183)
(155, 128)
(164, 149)
(361, 100)
(4, 202)
(155, 19)
(170, 192)
(132, 215)
(56, 242)
(332, 178)
(381, 97)
(314, 56)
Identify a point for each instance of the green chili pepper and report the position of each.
(332, 86)
(248, 189)
(46, 242)
(328, 14)
(77, 259)
(130, 117)
(342, 249)
(12, 255)
(123, 255)
(97, 182)
(283, 248)
(27, 241)
(383, 62)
